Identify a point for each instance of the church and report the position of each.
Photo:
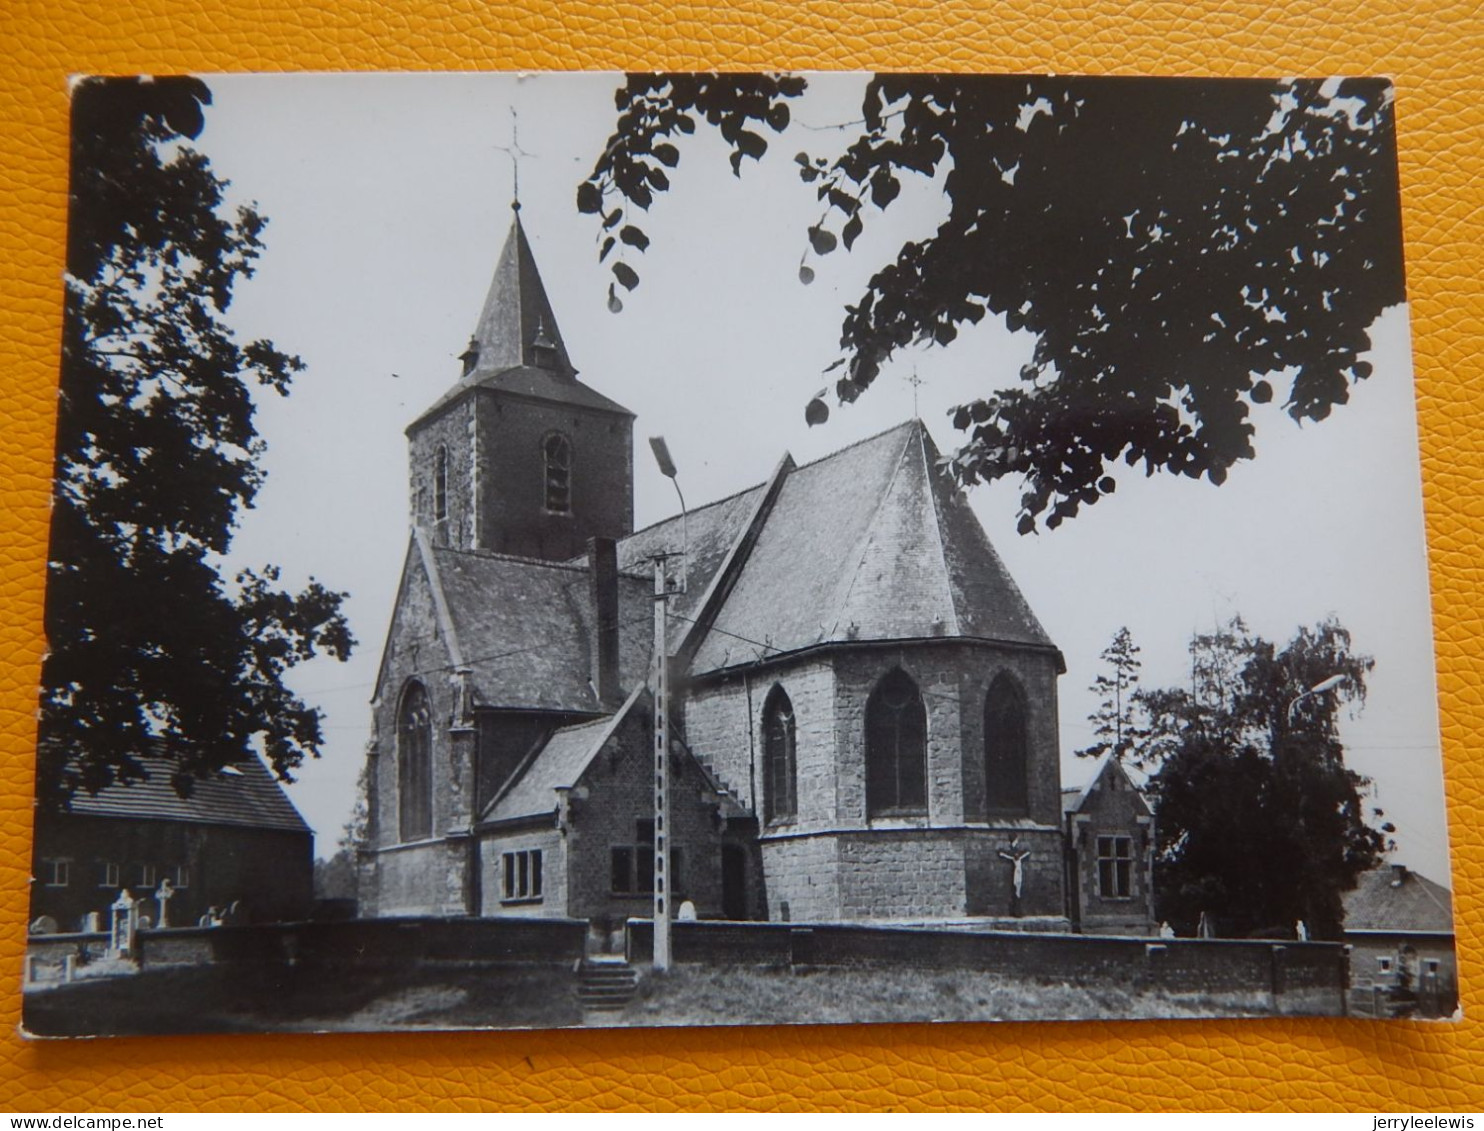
(863, 707)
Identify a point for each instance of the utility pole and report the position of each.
(661, 693)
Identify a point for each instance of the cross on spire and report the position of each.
(916, 382)
(515, 153)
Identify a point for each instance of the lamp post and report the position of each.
(660, 688)
(1318, 689)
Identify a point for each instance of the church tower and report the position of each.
(520, 457)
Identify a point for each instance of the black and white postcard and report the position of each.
(535, 551)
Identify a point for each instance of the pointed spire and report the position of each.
(517, 326)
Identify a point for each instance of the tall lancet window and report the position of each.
(556, 451)
(1005, 747)
(414, 765)
(780, 765)
(440, 485)
(896, 748)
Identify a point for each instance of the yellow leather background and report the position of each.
(1435, 52)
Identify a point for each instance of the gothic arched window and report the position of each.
(556, 452)
(896, 748)
(780, 765)
(1005, 747)
(440, 485)
(414, 765)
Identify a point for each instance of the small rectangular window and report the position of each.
(147, 875)
(110, 876)
(622, 867)
(632, 868)
(1115, 867)
(644, 868)
(522, 876)
(182, 877)
(56, 873)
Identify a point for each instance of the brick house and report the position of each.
(236, 839)
(864, 712)
(1399, 925)
(1110, 854)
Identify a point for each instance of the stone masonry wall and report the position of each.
(422, 879)
(722, 732)
(415, 650)
(511, 474)
(614, 794)
(554, 868)
(944, 863)
(903, 875)
(802, 878)
(453, 430)
(1112, 811)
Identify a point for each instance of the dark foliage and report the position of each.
(1115, 723)
(156, 454)
(1260, 822)
(1181, 250)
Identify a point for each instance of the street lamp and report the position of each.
(661, 690)
(1318, 689)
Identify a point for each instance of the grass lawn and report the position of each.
(217, 999)
(220, 999)
(735, 995)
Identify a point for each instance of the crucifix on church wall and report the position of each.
(1017, 857)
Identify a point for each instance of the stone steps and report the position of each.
(606, 985)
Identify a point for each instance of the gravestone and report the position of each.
(124, 925)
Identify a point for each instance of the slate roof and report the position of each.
(527, 628)
(250, 797)
(1073, 798)
(566, 756)
(560, 763)
(870, 543)
(516, 312)
(1415, 903)
(712, 530)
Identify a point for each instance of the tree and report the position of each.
(1260, 823)
(150, 647)
(1114, 723)
(1178, 249)
(339, 876)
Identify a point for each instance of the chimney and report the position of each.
(1398, 875)
(602, 564)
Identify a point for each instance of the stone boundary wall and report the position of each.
(360, 943)
(1293, 977)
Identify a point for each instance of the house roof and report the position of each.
(1397, 899)
(566, 756)
(516, 319)
(870, 543)
(1073, 799)
(557, 765)
(245, 795)
(527, 628)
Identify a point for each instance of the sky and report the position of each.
(388, 199)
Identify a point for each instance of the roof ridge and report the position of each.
(440, 598)
(858, 443)
(1427, 885)
(571, 565)
(937, 517)
(693, 511)
(610, 723)
(858, 551)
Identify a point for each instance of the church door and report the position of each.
(733, 881)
